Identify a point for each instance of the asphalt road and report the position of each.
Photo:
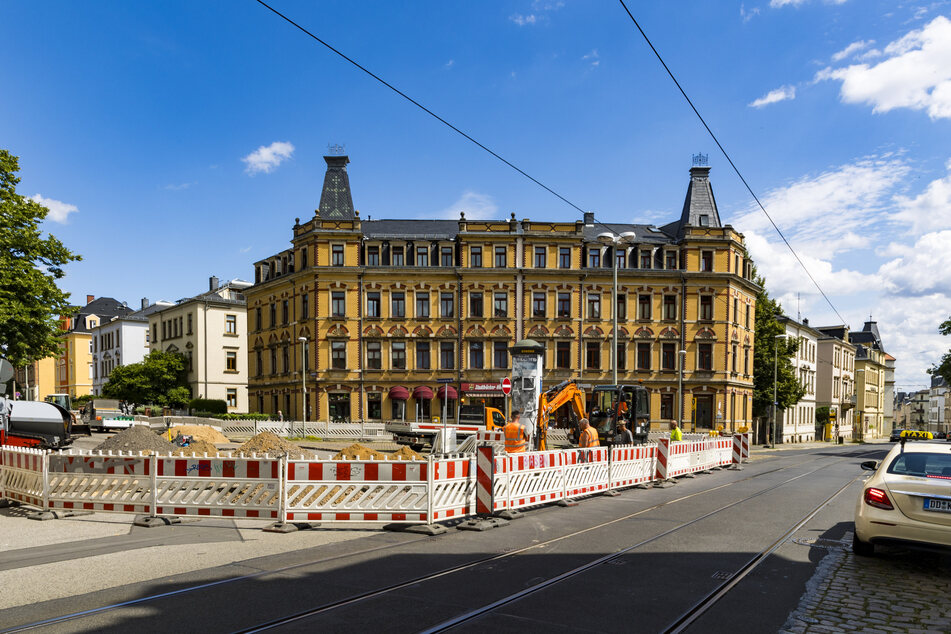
(635, 562)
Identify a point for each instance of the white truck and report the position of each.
(104, 413)
(472, 418)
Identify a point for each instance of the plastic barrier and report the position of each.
(632, 464)
(533, 478)
(344, 431)
(22, 475)
(120, 483)
(453, 487)
(220, 486)
(586, 471)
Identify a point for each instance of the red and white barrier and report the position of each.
(105, 482)
(632, 464)
(220, 486)
(533, 478)
(23, 475)
(586, 471)
(663, 457)
(453, 493)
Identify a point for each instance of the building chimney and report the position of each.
(145, 303)
(805, 321)
(89, 299)
(212, 283)
(588, 218)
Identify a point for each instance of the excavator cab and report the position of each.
(612, 405)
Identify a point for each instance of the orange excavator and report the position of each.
(565, 393)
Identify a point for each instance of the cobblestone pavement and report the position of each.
(897, 590)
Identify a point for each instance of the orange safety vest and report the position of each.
(516, 438)
(589, 438)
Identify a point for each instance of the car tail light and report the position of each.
(878, 499)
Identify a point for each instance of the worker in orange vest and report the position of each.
(516, 436)
(588, 437)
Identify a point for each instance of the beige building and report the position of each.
(211, 330)
(870, 370)
(37, 380)
(835, 377)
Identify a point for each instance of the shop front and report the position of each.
(488, 394)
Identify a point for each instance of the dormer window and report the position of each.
(373, 256)
(704, 220)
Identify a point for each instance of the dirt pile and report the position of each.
(266, 442)
(200, 432)
(357, 451)
(137, 438)
(197, 448)
(405, 453)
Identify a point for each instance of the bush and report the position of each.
(208, 406)
(248, 416)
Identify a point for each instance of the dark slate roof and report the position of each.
(868, 336)
(103, 307)
(645, 233)
(833, 331)
(699, 202)
(336, 203)
(411, 229)
(937, 381)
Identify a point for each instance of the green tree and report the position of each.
(160, 379)
(30, 264)
(768, 346)
(943, 367)
(822, 415)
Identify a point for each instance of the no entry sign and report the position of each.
(506, 386)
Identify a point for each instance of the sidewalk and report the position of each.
(763, 449)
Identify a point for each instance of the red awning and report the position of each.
(422, 392)
(444, 389)
(399, 392)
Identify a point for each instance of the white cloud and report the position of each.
(922, 269)
(476, 207)
(178, 187)
(267, 157)
(449, 64)
(852, 49)
(774, 96)
(59, 211)
(748, 15)
(592, 57)
(930, 210)
(776, 4)
(523, 20)
(916, 74)
(245, 249)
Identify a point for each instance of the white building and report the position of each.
(211, 330)
(936, 404)
(121, 340)
(835, 377)
(798, 423)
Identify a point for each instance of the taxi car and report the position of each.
(907, 500)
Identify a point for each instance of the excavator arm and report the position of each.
(552, 400)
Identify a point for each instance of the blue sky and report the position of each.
(178, 140)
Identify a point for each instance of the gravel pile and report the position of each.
(200, 432)
(137, 438)
(267, 442)
(357, 451)
(405, 453)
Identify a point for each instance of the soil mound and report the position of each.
(197, 448)
(357, 451)
(136, 438)
(405, 453)
(200, 432)
(267, 442)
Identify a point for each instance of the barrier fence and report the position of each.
(326, 430)
(285, 490)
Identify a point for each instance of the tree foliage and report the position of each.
(30, 264)
(943, 367)
(768, 347)
(160, 379)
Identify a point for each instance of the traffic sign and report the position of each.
(444, 380)
(506, 386)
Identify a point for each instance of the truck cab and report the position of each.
(479, 414)
(611, 405)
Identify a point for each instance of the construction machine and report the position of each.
(34, 424)
(565, 393)
(612, 405)
(66, 402)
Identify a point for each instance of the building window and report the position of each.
(500, 305)
(592, 355)
(422, 355)
(422, 305)
(286, 357)
(336, 255)
(446, 305)
(667, 406)
(338, 304)
(338, 355)
(563, 355)
(564, 257)
(645, 259)
(670, 259)
(476, 305)
(447, 355)
(273, 361)
(746, 360)
(257, 318)
(643, 356)
(705, 356)
(538, 305)
(670, 307)
(398, 355)
(258, 363)
(594, 306)
(747, 315)
(396, 256)
(500, 355)
(594, 257)
(373, 256)
(706, 307)
(500, 257)
(374, 406)
(305, 305)
(706, 260)
(374, 355)
(446, 256)
(564, 304)
(620, 257)
(231, 361)
(736, 310)
(422, 256)
(475, 257)
(273, 315)
(398, 305)
(621, 307)
(284, 312)
(668, 352)
(476, 355)
(373, 304)
(231, 324)
(621, 356)
(540, 257)
(734, 355)
(643, 306)
(232, 397)
(190, 323)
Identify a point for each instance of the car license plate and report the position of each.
(942, 506)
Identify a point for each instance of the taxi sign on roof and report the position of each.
(914, 434)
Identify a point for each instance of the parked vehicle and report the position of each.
(906, 500)
(895, 435)
(104, 413)
(472, 418)
(34, 424)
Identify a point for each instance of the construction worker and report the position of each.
(516, 436)
(588, 437)
(623, 436)
(675, 433)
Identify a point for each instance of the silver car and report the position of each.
(907, 500)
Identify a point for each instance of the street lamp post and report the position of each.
(860, 412)
(682, 360)
(772, 424)
(303, 378)
(615, 240)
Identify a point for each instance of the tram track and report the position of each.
(381, 591)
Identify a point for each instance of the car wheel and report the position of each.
(860, 548)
